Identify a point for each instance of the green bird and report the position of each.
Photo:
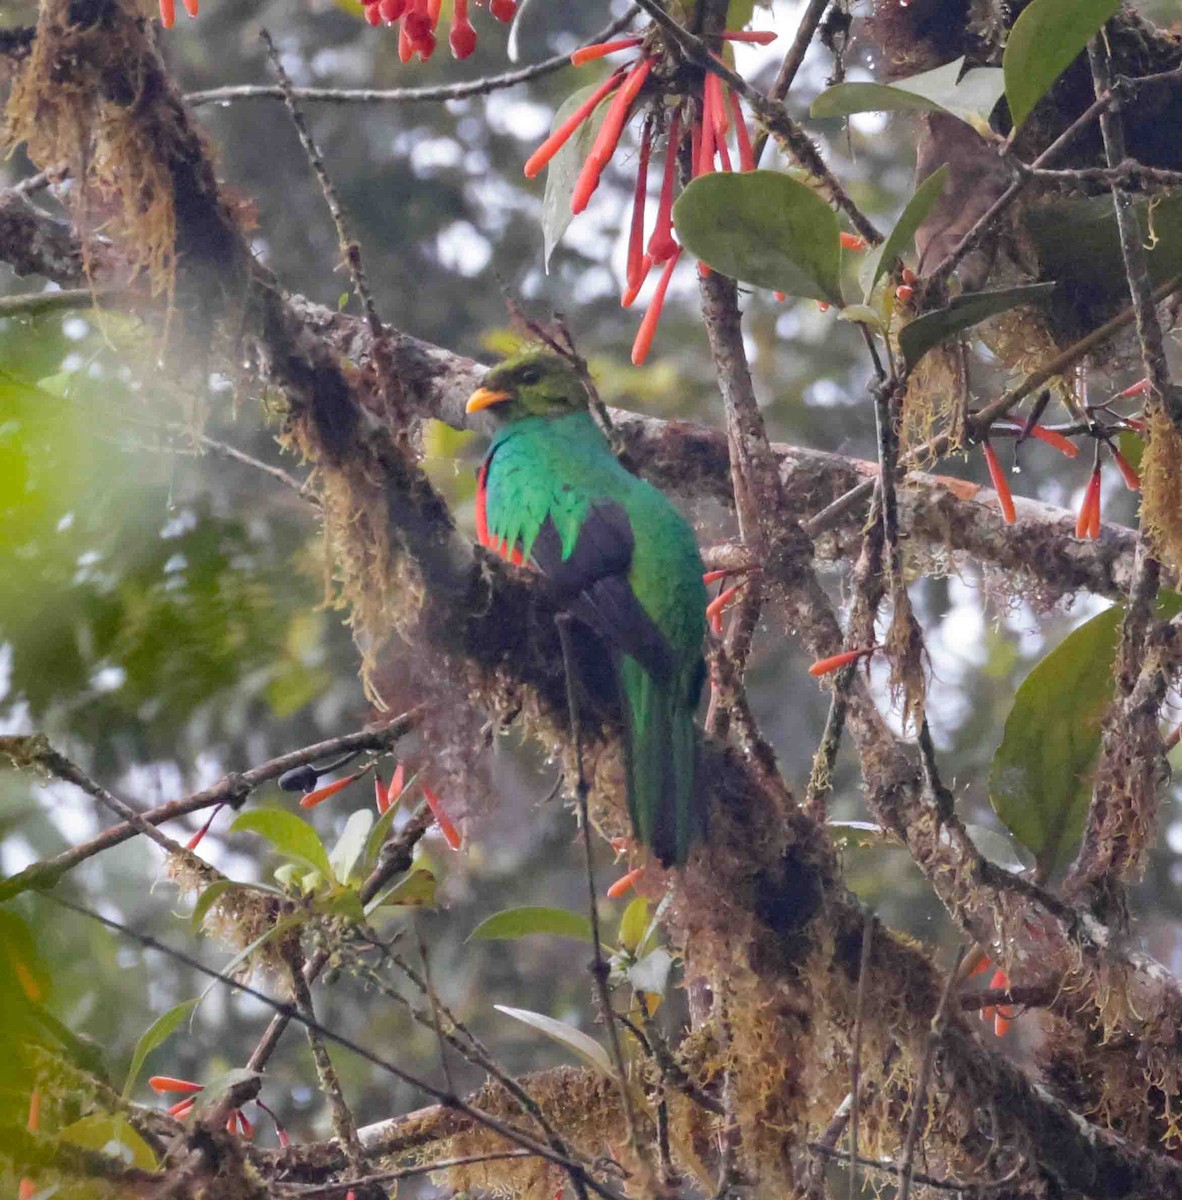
(551, 494)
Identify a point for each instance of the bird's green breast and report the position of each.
(559, 467)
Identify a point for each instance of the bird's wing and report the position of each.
(594, 576)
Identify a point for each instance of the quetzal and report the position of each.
(551, 494)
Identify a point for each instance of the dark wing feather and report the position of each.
(594, 579)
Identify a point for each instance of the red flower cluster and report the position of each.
(168, 11)
(708, 119)
(418, 21)
(237, 1121)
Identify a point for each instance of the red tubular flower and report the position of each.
(1138, 389)
(1062, 444)
(704, 131)
(826, 666)
(321, 794)
(586, 54)
(372, 14)
(1001, 485)
(391, 10)
(503, 10)
(550, 147)
(661, 245)
(1127, 471)
(397, 783)
(406, 48)
(633, 290)
(196, 839)
(168, 13)
(191, 7)
(169, 1083)
(182, 1108)
(1089, 510)
(714, 576)
(758, 37)
(609, 135)
(244, 1126)
(851, 241)
(451, 834)
(718, 605)
(462, 37)
(635, 271)
(648, 327)
(746, 156)
(624, 884)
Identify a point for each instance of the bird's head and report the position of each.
(531, 383)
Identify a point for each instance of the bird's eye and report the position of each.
(530, 375)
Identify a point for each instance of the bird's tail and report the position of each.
(661, 747)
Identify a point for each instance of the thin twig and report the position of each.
(423, 95)
(599, 967)
(289, 1010)
(906, 1168)
(319, 1191)
(38, 304)
(805, 31)
(885, 1164)
(231, 789)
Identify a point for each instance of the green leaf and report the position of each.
(862, 314)
(1040, 780)
(562, 172)
(970, 99)
(917, 337)
(99, 1130)
(998, 848)
(158, 1032)
(416, 890)
(634, 924)
(763, 228)
(383, 825)
(289, 834)
(587, 1048)
(902, 237)
(351, 845)
(524, 922)
(1045, 40)
(213, 1092)
(1077, 243)
(344, 902)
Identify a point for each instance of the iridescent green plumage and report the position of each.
(552, 489)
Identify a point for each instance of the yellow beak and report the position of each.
(485, 398)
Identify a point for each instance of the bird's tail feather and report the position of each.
(661, 745)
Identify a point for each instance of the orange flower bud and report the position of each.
(1127, 471)
(451, 834)
(826, 666)
(624, 884)
(648, 327)
(1001, 485)
(758, 37)
(586, 54)
(851, 241)
(904, 292)
(168, 1083)
(330, 789)
(168, 13)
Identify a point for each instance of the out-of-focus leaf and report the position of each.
(587, 1048)
(634, 924)
(1045, 40)
(971, 99)
(416, 890)
(155, 1035)
(562, 172)
(998, 848)
(1076, 242)
(917, 337)
(290, 835)
(1040, 780)
(351, 845)
(902, 237)
(651, 973)
(765, 228)
(112, 1134)
(213, 1092)
(862, 314)
(343, 902)
(525, 922)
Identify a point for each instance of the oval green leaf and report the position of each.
(587, 1048)
(970, 99)
(917, 337)
(346, 854)
(763, 228)
(158, 1032)
(1040, 780)
(902, 237)
(562, 171)
(289, 834)
(1045, 40)
(525, 922)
